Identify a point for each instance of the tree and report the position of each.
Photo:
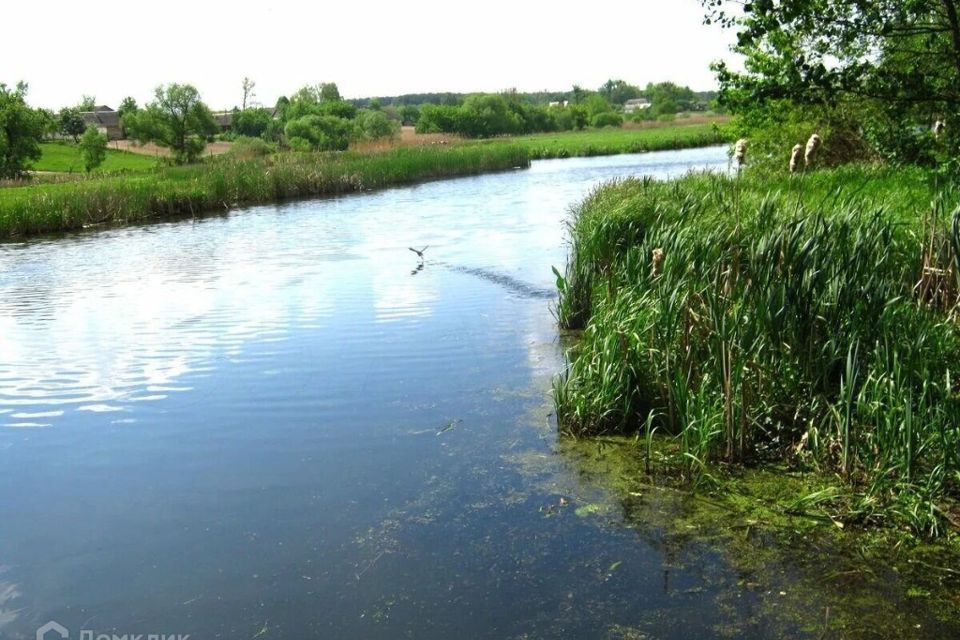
(248, 86)
(21, 129)
(93, 148)
(485, 115)
(319, 133)
(409, 114)
(376, 125)
(128, 105)
(71, 123)
(618, 91)
(87, 103)
(329, 92)
(252, 122)
(176, 119)
(897, 62)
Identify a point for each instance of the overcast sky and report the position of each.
(111, 49)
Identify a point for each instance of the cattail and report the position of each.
(795, 158)
(657, 260)
(813, 145)
(740, 152)
(938, 128)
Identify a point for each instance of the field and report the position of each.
(225, 182)
(806, 322)
(63, 157)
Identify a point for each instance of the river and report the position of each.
(279, 423)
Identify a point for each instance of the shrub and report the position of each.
(608, 119)
(93, 148)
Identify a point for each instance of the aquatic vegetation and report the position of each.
(223, 183)
(807, 320)
(605, 142)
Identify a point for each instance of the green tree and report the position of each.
(409, 114)
(87, 103)
(93, 148)
(486, 115)
(71, 123)
(319, 133)
(897, 62)
(128, 105)
(252, 122)
(618, 91)
(329, 92)
(176, 119)
(376, 125)
(21, 129)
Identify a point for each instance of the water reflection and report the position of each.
(246, 426)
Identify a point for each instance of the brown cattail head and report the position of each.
(657, 263)
(795, 158)
(938, 128)
(813, 146)
(740, 152)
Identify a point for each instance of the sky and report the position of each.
(111, 49)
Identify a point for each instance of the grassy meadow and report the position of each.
(222, 183)
(804, 321)
(64, 157)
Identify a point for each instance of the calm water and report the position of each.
(272, 424)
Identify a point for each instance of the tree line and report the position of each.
(317, 118)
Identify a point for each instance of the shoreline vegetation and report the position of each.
(224, 183)
(53, 203)
(805, 322)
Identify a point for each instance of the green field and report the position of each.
(64, 157)
(613, 141)
(807, 322)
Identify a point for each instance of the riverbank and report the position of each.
(223, 183)
(615, 141)
(806, 322)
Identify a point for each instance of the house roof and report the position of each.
(106, 118)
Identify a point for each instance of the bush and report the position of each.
(608, 119)
(93, 148)
(376, 125)
(323, 133)
(435, 118)
(252, 122)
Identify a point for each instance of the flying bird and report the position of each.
(420, 252)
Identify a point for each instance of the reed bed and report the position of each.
(613, 141)
(810, 320)
(223, 183)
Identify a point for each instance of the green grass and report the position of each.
(611, 141)
(807, 320)
(65, 157)
(224, 182)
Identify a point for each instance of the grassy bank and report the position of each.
(613, 141)
(809, 321)
(223, 183)
(64, 157)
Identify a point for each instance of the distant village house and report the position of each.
(637, 104)
(105, 120)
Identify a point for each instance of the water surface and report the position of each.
(277, 423)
